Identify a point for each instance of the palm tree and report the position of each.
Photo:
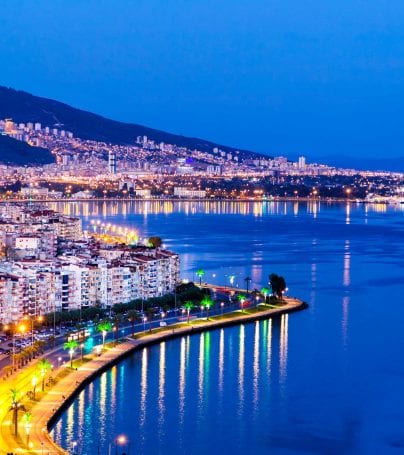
(70, 346)
(104, 327)
(200, 273)
(265, 292)
(16, 406)
(207, 302)
(44, 366)
(241, 298)
(188, 305)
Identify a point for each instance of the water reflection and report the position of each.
(241, 360)
(103, 399)
(348, 213)
(201, 369)
(143, 388)
(347, 264)
(181, 388)
(346, 281)
(345, 314)
(256, 365)
(221, 362)
(269, 347)
(104, 209)
(162, 377)
(283, 347)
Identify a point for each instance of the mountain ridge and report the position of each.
(24, 107)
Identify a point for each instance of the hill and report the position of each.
(24, 107)
(20, 153)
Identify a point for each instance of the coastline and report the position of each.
(185, 199)
(46, 411)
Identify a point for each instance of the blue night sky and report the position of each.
(314, 77)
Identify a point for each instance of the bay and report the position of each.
(326, 380)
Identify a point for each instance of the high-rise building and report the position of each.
(302, 162)
(112, 162)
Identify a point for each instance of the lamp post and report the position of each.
(59, 360)
(34, 383)
(27, 425)
(144, 323)
(120, 440)
(81, 348)
(221, 306)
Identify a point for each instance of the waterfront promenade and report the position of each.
(58, 395)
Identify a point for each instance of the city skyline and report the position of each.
(319, 81)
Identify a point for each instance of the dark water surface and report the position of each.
(328, 380)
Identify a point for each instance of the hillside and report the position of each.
(24, 107)
(20, 153)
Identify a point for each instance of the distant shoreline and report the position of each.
(172, 199)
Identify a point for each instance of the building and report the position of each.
(188, 193)
(48, 265)
(112, 162)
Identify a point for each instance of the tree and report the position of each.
(155, 242)
(70, 346)
(207, 303)
(265, 292)
(104, 327)
(200, 273)
(16, 406)
(188, 305)
(44, 366)
(278, 285)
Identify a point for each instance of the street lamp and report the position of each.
(120, 440)
(221, 306)
(34, 383)
(144, 323)
(59, 360)
(27, 425)
(81, 348)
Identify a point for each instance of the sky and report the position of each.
(322, 78)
